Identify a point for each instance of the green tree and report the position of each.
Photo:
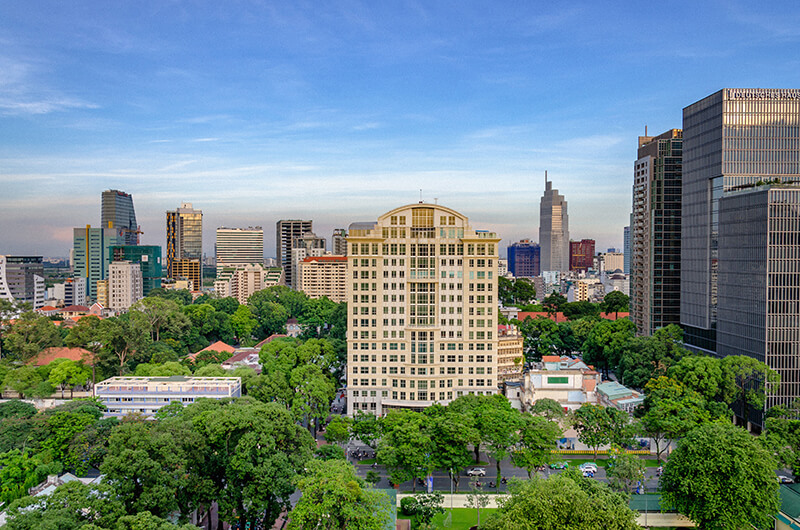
(124, 338)
(614, 302)
(69, 373)
(328, 452)
(451, 433)
(21, 380)
(564, 500)
(746, 382)
(500, 431)
(71, 505)
(161, 370)
(366, 428)
(577, 310)
(537, 439)
(670, 410)
(406, 446)
(505, 291)
(541, 337)
(606, 341)
(554, 303)
(782, 435)
(701, 373)
(16, 409)
(426, 506)
(254, 452)
(523, 291)
(228, 304)
(160, 314)
(548, 408)
(243, 323)
(20, 471)
(477, 498)
(30, 334)
(147, 467)
(181, 296)
(624, 470)
(212, 370)
(271, 315)
(335, 498)
(148, 521)
(598, 425)
(338, 430)
(643, 358)
(721, 477)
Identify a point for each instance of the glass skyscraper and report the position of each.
(655, 238)
(524, 259)
(185, 244)
(553, 229)
(117, 212)
(740, 229)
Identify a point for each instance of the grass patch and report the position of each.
(603, 462)
(463, 518)
(366, 462)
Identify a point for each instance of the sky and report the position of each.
(340, 111)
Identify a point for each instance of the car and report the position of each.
(588, 466)
(559, 465)
(588, 473)
(783, 479)
(476, 472)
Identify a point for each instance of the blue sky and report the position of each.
(340, 111)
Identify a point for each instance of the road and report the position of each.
(441, 481)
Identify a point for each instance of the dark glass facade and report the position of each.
(524, 259)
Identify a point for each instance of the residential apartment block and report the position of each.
(242, 281)
(324, 276)
(422, 304)
(124, 285)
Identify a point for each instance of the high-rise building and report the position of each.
(185, 244)
(92, 250)
(324, 276)
(149, 259)
(424, 310)
(524, 259)
(655, 241)
(306, 245)
(626, 248)
(339, 242)
(22, 280)
(117, 212)
(286, 231)
(740, 231)
(124, 285)
(242, 281)
(240, 246)
(581, 254)
(553, 229)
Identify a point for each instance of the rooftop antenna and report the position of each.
(420, 195)
(436, 200)
(645, 130)
(545, 178)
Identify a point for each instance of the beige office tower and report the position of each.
(239, 246)
(422, 304)
(124, 285)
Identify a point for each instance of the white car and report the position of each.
(783, 479)
(476, 472)
(588, 466)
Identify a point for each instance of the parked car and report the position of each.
(783, 479)
(559, 465)
(588, 473)
(588, 466)
(476, 472)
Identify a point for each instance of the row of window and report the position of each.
(401, 383)
(423, 359)
(401, 370)
(399, 249)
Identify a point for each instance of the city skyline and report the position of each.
(262, 113)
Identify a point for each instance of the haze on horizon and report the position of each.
(259, 111)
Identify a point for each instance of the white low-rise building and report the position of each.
(145, 395)
(568, 381)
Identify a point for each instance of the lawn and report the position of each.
(463, 518)
(603, 462)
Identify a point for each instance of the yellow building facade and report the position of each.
(422, 310)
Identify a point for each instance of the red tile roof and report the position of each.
(48, 308)
(75, 309)
(49, 355)
(269, 339)
(551, 358)
(217, 346)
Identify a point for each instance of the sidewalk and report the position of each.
(459, 499)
